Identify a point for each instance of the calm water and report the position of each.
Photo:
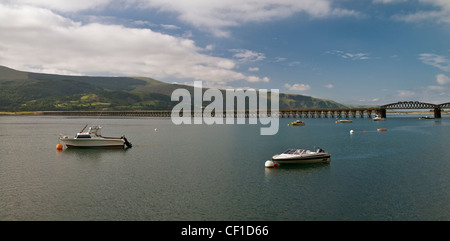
(200, 172)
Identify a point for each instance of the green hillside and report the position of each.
(26, 91)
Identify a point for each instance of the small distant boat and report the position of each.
(378, 118)
(93, 139)
(298, 123)
(301, 156)
(381, 129)
(428, 117)
(345, 121)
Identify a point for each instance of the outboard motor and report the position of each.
(127, 143)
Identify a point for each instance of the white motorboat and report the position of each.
(299, 156)
(93, 139)
(378, 118)
(345, 121)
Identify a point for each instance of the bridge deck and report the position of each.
(303, 113)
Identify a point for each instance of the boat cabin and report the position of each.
(94, 131)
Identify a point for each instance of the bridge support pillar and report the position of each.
(437, 113)
(383, 113)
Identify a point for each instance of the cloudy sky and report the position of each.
(350, 51)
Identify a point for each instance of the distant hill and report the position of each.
(26, 91)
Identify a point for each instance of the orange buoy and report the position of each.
(381, 129)
(59, 147)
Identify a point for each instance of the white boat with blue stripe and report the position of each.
(93, 139)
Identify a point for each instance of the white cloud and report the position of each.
(435, 60)
(217, 16)
(430, 94)
(440, 15)
(245, 55)
(254, 79)
(388, 1)
(209, 47)
(373, 101)
(405, 93)
(37, 39)
(63, 5)
(329, 86)
(253, 69)
(434, 94)
(434, 87)
(213, 16)
(294, 63)
(442, 79)
(297, 87)
(170, 26)
(348, 55)
(140, 23)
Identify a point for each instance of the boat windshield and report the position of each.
(95, 130)
(293, 151)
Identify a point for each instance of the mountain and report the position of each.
(26, 91)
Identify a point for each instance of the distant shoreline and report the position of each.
(444, 112)
(21, 113)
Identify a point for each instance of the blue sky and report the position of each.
(368, 52)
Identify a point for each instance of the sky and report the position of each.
(361, 52)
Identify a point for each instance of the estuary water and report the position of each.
(216, 172)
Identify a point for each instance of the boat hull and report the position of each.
(301, 159)
(93, 143)
(298, 123)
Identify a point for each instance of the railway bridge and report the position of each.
(283, 113)
(364, 112)
(415, 105)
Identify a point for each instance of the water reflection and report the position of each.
(91, 154)
(304, 166)
(300, 168)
